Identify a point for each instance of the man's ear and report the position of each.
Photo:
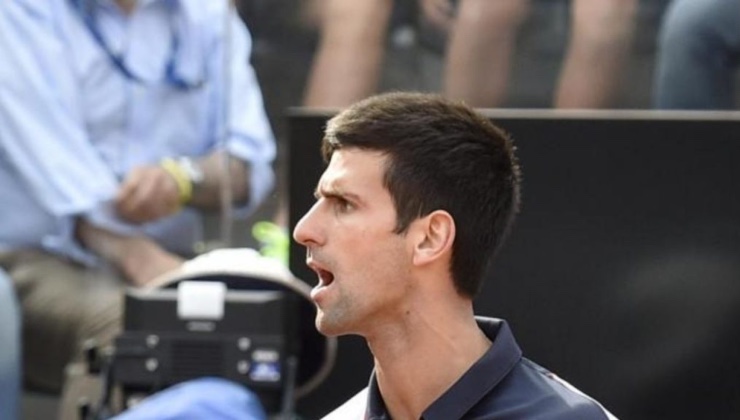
(434, 236)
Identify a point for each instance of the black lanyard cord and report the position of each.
(87, 11)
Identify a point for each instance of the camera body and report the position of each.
(250, 342)
(231, 314)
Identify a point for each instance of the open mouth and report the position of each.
(325, 277)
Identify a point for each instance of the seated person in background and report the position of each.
(119, 127)
(9, 350)
(482, 35)
(418, 194)
(698, 54)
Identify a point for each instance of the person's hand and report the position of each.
(148, 193)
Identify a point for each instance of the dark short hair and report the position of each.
(441, 155)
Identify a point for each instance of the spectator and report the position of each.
(698, 55)
(480, 48)
(118, 122)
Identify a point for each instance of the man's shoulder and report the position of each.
(548, 393)
(352, 409)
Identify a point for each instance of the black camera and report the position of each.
(231, 314)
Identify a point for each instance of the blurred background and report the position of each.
(287, 34)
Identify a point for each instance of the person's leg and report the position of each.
(63, 305)
(9, 350)
(348, 61)
(697, 55)
(600, 42)
(480, 49)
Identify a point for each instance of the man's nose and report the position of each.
(305, 230)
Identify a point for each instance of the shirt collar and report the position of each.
(477, 382)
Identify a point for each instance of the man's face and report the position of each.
(363, 266)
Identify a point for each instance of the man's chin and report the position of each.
(327, 327)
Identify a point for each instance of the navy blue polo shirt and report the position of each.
(502, 385)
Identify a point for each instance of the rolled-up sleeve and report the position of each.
(42, 134)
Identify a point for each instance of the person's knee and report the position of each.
(599, 11)
(603, 20)
(687, 26)
(347, 20)
(492, 15)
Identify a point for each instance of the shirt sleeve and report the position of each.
(248, 134)
(42, 133)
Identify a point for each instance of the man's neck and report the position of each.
(415, 366)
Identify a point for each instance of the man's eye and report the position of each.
(342, 205)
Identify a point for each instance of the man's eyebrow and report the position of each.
(335, 193)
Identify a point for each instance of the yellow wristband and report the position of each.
(184, 185)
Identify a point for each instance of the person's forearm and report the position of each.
(138, 258)
(221, 174)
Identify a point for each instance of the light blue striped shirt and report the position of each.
(72, 124)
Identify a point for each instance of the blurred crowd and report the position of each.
(635, 54)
